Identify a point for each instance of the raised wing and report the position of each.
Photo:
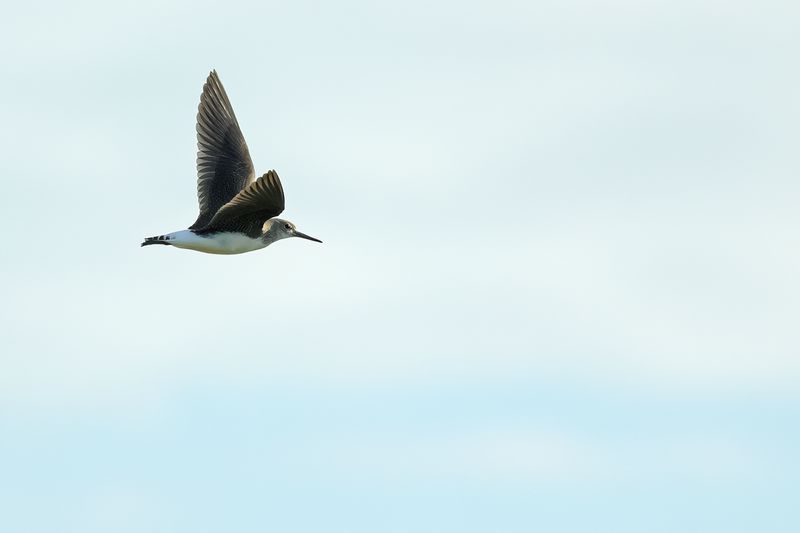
(224, 166)
(247, 212)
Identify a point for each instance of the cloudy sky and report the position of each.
(558, 290)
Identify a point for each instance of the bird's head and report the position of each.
(278, 228)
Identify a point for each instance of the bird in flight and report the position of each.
(237, 212)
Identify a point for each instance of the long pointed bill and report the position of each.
(304, 236)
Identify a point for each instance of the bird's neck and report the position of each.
(269, 237)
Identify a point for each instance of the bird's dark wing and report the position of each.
(223, 162)
(247, 212)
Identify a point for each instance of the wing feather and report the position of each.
(224, 167)
(248, 210)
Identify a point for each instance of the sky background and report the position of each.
(558, 289)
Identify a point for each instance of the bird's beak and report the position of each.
(304, 236)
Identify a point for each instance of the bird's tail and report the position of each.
(160, 239)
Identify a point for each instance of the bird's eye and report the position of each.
(287, 226)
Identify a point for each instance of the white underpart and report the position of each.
(218, 243)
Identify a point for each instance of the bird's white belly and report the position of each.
(217, 243)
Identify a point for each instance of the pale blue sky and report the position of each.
(558, 289)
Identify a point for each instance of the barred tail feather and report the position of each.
(160, 239)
